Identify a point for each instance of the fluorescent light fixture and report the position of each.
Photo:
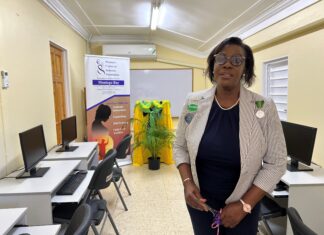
(155, 17)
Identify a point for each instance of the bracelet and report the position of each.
(186, 179)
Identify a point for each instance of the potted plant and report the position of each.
(153, 136)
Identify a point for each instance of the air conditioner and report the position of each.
(136, 51)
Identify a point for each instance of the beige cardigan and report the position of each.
(262, 145)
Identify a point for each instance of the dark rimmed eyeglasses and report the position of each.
(235, 60)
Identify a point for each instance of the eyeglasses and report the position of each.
(235, 60)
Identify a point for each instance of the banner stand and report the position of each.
(107, 100)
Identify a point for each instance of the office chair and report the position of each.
(297, 224)
(122, 150)
(117, 174)
(270, 209)
(101, 179)
(80, 221)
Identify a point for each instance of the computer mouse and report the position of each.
(24, 234)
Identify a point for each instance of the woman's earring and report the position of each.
(243, 75)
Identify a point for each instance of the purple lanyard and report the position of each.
(216, 219)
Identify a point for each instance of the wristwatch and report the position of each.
(246, 207)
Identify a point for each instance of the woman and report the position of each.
(229, 148)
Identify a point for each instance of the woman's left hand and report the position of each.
(232, 214)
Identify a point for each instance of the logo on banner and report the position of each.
(100, 69)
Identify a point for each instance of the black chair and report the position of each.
(297, 224)
(122, 150)
(101, 179)
(80, 221)
(117, 173)
(270, 209)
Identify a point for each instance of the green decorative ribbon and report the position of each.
(145, 106)
(259, 104)
(152, 108)
(192, 108)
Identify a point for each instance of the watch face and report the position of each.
(247, 208)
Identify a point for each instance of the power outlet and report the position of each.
(5, 79)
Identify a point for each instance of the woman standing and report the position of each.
(229, 148)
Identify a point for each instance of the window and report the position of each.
(276, 84)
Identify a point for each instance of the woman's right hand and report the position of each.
(193, 197)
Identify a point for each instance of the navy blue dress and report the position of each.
(218, 170)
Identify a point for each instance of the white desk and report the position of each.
(38, 194)
(11, 217)
(37, 230)
(87, 152)
(306, 194)
(17, 216)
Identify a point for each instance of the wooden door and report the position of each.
(58, 88)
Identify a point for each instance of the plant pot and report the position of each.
(154, 163)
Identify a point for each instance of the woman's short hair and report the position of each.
(249, 60)
(103, 112)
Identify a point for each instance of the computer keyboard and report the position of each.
(72, 183)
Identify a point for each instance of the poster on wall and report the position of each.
(107, 100)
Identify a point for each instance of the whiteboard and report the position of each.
(161, 84)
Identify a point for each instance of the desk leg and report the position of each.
(39, 206)
(308, 201)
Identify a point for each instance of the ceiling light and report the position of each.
(155, 16)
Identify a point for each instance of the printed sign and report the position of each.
(108, 100)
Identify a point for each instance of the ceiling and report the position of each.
(191, 26)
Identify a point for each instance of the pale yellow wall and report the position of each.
(96, 48)
(26, 30)
(305, 51)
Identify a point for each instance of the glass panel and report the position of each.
(282, 73)
(278, 90)
(279, 98)
(281, 107)
(283, 82)
(277, 84)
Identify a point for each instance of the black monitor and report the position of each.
(300, 142)
(69, 133)
(33, 148)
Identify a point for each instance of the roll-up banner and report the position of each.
(107, 100)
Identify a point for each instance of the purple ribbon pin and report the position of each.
(216, 219)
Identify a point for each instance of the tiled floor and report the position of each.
(156, 206)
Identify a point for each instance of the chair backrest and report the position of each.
(103, 173)
(80, 221)
(297, 224)
(123, 146)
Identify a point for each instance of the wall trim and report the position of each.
(57, 7)
(280, 12)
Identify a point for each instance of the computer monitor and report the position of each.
(69, 133)
(300, 142)
(33, 148)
